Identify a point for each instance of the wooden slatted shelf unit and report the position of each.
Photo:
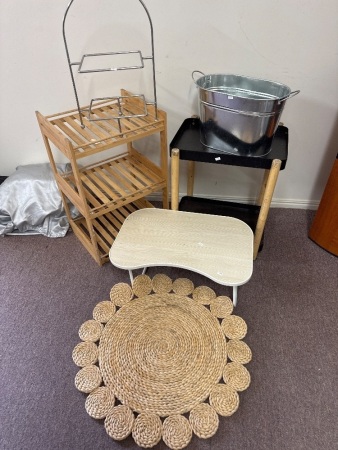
(107, 191)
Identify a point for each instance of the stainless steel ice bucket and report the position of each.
(239, 113)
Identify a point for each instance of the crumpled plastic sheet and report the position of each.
(30, 202)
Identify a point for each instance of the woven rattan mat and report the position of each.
(162, 360)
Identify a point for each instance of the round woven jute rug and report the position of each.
(164, 361)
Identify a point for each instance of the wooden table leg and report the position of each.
(263, 187)
(175, 177)
(268, 187)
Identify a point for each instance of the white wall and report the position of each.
(293, 42)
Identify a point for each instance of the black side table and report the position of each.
(186, 145)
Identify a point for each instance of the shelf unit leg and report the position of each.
(66, 196)
(175, 175)
(191, 178)
(95, 252)
(270, 181)
(50, 154)
(93, 243)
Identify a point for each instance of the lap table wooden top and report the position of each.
(218, 247)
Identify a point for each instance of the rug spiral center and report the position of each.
(161, 354)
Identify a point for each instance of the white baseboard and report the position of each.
(276, 202)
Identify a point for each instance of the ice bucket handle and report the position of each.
(193, 75)
(292, 94)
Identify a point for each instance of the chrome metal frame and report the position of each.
(112, 69)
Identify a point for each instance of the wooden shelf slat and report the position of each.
(112, 188)
(69, 132)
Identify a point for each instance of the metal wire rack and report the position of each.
(117, 100)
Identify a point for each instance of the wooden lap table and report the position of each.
(217, 247)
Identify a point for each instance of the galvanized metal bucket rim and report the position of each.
(278, 100)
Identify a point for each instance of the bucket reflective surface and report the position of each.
(238, 113)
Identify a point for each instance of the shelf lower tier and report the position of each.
(112, 184)
(104, 229)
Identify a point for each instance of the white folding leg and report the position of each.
(131, 274)
(234, 295)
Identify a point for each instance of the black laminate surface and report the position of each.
(187, 140)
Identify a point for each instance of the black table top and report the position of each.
(187, 140)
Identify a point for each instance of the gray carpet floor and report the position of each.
(49, 287)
